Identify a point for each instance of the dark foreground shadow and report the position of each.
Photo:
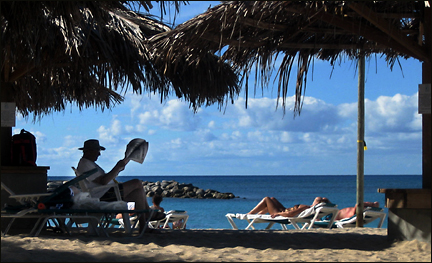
(270, 239)
(214, 239)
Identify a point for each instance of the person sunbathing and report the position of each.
(272, 206)
(351, 211)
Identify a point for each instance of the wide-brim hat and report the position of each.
(92, 145)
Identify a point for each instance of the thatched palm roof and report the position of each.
(89, 53)
(251, 33)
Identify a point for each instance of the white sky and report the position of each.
(258, 140)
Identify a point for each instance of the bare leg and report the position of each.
(259, 207)
(134, 192)
(263, 212)
(267, 205)
(277, 203)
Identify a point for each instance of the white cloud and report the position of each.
(322, 130)
(73, 141)
(204, 135)
(129, 128)
(316, 115)
(258, 140)
(348, 111)
(40, 137)
(392, 114)
(286, 137)
(173, 115)
(111, 134)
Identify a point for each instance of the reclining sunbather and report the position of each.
(272, 206)
(351, 211)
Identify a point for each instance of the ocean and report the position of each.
(289, 190)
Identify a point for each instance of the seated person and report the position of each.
(351, 211)
(156, 200)
(131, 191)
(272, 206)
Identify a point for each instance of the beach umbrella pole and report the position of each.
(360, 142)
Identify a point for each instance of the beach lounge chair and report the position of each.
(38, 208)
(304, 220)
(252, 219)
(24, 199)
(30, 205)
(370, 214)
(177, 218)
(83, 186)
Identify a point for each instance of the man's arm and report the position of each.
(106, 178)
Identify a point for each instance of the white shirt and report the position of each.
(86, 165)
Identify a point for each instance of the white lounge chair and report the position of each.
(370, 214)
(172, 217)
(304, 220)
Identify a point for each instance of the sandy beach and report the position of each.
(365, 244)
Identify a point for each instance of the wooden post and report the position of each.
(360, 142)
(426, 118)
(5, 132)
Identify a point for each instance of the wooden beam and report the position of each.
(330, 31)
(388, 29)
(389, 15)
(407, 198)
(330, 46)
(368, 32)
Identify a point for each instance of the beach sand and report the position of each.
(358, 244)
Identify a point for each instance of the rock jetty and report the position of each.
(170, 188)
(181, 190)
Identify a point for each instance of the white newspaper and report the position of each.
(136, 150)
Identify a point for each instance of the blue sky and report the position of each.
(259, 140)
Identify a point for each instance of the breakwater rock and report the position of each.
(169, 188)
(181, 190)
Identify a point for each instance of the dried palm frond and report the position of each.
(251, 34)
(90, 53)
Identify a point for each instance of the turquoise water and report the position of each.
(289, 190)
